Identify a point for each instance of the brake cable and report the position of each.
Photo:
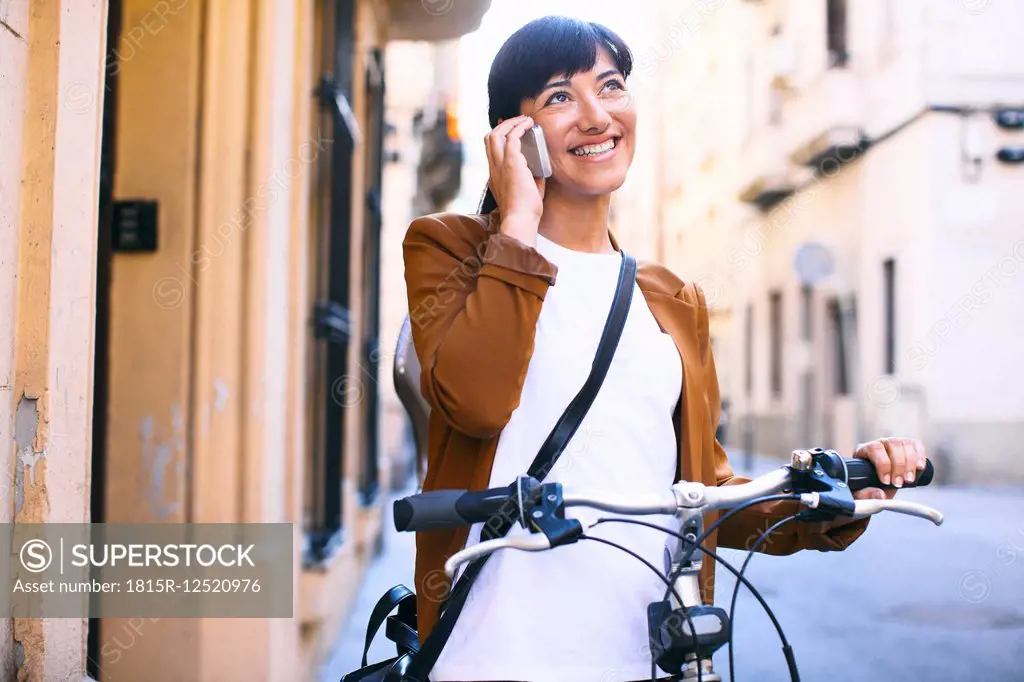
(794, 673)
(671, 588)
(787, 650)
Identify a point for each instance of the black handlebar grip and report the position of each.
(451, 508)
(861, 474)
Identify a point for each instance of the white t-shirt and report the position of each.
(578, 612)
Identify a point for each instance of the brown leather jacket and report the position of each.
(474, 298)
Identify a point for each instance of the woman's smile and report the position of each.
(596, 152)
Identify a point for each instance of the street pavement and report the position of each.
(907, 602)
(392, 567)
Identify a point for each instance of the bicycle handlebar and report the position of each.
(537, 542)
(860, 473)
(818, 481)
(450, 508)
(458, 508)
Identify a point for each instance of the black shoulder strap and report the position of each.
(547, 456)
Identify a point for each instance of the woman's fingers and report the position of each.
(487, 148)
(914, 450)
(493, 141)
(862, 494)
(922, 456)
(496, 144)
(910, 455)
(872, 494)
(497, 138)
(898, 459)
(876, 453)
(513, 144)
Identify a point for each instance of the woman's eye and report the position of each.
(554, 99)
(618, 85)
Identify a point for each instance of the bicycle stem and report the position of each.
(687, 585)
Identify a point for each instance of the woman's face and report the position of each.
(589, 124)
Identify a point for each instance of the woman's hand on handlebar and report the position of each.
(520, 196)
(897, 460)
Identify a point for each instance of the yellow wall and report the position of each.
(209, 338)
(151, 320)
(209, 334)
(49, 122)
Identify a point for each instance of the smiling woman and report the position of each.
(584, 108)
(504, 353)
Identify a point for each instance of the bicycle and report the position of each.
(684, 632)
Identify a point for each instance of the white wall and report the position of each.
(975, 51)
(973, 344)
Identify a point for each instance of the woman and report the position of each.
(504, 348)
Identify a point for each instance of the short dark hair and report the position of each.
(540, 49)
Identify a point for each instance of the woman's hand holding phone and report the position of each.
(520, 196)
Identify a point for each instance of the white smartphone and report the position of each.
(535, 149)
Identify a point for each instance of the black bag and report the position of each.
(413, 663)
(401, 629)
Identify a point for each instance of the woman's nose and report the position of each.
(593, 115)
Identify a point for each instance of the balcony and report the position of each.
(833, 146)
(767, 177)
(824, 121)
(434, 20)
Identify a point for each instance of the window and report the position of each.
(889, 275)
(334, 388)
(369, 473)
(748, 351)
(775, 320)
(807, 313)
(774, 106)
(782, 63)
(747, 108)
(840, 384)
(836, 20)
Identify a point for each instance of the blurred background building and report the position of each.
(192, 225)
(843, 179)
(424, 172)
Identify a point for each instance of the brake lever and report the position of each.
(536, 542)
(865, 508)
